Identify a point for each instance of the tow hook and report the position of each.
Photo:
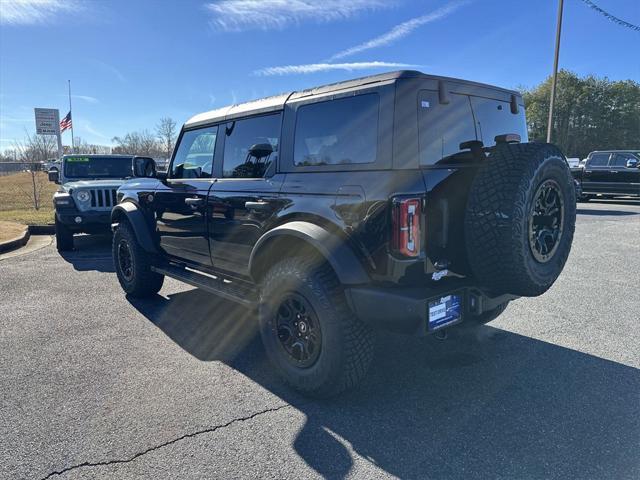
(441, 334)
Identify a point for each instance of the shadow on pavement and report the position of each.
(91, 252)
(484, 405)
(605, 213)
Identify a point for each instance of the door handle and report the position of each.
(258, 206)
(194, 201)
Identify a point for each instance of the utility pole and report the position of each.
(73, 145)
(555, 71)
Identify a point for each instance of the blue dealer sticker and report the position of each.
(444, 311)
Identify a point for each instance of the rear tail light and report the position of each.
(405, 219)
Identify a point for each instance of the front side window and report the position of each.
(251, 146)
(194, 155)
(620, 159)
(599, 160)
(337, 132)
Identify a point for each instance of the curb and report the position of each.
(15, 242)
(42, 229)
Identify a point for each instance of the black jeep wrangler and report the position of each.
(399, 201)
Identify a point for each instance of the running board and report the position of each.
(234, 291)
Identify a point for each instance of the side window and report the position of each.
(194, 155)
(620, 159)
(598, 160)
(337, 132)
(443, 127)
(251, 146)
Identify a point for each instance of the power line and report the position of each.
(613, 18)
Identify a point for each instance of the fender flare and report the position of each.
(136, 219)
(338, 254)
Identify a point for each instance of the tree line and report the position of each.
(591, 113)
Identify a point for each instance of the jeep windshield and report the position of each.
(97, 167)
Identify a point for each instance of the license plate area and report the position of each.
(445, 310)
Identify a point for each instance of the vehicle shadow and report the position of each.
(91, 252)
(491, 404)
(605, 213)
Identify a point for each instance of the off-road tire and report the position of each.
(499, 207)
(347, 343)
(64, 237)
(142, 282)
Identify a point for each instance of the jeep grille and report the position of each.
(103, 198)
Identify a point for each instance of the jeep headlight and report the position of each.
(83, 196)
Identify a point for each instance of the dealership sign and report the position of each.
(47, 121)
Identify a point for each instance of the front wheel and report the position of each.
(310, 335)
(64, 237)
(133, 265)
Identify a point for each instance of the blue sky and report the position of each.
(133, 61)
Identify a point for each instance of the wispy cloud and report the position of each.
(32, 12)
(86, 98)
(401, 30)
(88, 127)
(325, 67)
(238, 15)
(105, 67)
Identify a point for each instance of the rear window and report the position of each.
(443, 127)
(494, 118)
(337, 132)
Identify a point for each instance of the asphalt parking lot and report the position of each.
(96, 386)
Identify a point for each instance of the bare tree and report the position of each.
(32, 151)
(166, 132)
(138, 143)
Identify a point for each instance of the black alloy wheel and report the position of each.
(298, 330)
(546, 221)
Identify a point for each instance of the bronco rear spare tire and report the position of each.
(520, 218)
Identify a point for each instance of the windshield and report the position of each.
(97, 167)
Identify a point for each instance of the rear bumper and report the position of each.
(405, 310)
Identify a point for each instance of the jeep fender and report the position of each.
(136, 219)
(338, 254)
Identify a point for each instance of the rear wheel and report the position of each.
(133, 264)
(312, 338)
(64, 237)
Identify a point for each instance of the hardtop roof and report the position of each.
(277, 102)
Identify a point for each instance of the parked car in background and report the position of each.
(400, 201)
(610, 174)
(87, 193)
(573, 162)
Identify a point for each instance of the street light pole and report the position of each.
(555, 71)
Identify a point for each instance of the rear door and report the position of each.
(180, 203)
(244, 199)
(596, 177)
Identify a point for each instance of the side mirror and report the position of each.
(144, 167)
(633, 163)
(54, 175)
(162, 176)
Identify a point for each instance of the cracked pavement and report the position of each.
(95, 386)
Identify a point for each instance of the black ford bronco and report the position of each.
(399, 201)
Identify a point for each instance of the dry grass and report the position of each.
(16, 198)
(10, 230)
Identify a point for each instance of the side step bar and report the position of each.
(233, 291)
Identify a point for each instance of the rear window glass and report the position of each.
(443, 127)
(251, 146)
(494, 118)
(337, 132)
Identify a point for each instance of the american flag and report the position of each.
(65, 123)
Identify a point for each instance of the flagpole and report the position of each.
(73, 145)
